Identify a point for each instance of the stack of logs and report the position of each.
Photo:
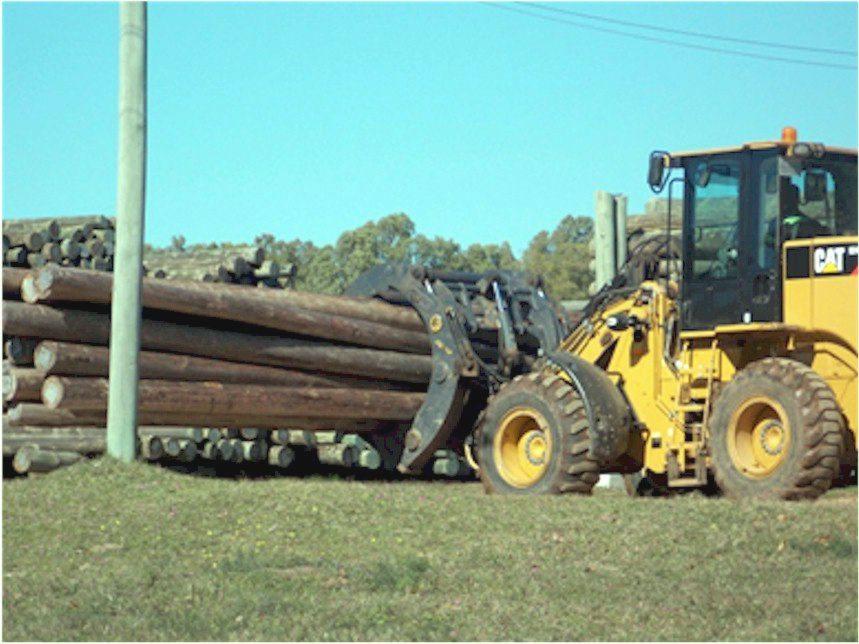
(212, 355)
(85, 242)
(88, 241)
(245, 265)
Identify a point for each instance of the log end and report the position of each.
(23, 459)
(52, 392)
(45, 356)
(29, 290)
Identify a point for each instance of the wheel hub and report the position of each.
(522, 447)
(772, 438)
(534, 447)
(758, 437)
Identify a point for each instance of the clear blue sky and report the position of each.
(305, 120)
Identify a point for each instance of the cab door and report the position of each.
(760, 231)
(712, 290)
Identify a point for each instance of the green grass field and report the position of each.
(104, 552)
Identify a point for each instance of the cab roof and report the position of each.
(755, 145)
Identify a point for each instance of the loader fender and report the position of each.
(609, 415)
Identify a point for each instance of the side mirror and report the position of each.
(814, 186)
(656, 170)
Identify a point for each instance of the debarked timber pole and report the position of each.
(130, 198)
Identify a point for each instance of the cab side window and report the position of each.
(819, 200)
(713, 237)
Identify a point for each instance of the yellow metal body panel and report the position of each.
(671, 378)
(824, 304)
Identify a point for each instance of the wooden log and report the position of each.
(101, 264)
(51, 252)
(361, 308)
(250, 433)
(337, 454)
(80, 444)
(34, 459)
(95, 248)
(253, 255)
(106, 236)
(369, 459)
(191, 433)
(267, 309)
(19, 350)
(16, 255)
(254, 450)
(212, 434)
(70, 249)
(303, 438)
(182, 449)
(209, 451)
(450, 466)
(97, 221)
(73, 233)
(188, 450)
(47, 432)
(52, 230)
(279, 436)
(88, 327)
(31, 240)
(28, 285)
(218, 399)
(268, 269)
(69, 359)
(12, 278)
(240, 267)
(280, 456)
(172, 447)
(151, 447)
(237, 451)
(36, 260)
(225, 449)
(23, 385)
(32, 414)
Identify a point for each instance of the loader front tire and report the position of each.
(533, 438)
(776, 432)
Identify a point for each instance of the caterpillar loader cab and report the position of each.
(732, 366)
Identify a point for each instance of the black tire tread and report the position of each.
(579, 470)
(822, 420)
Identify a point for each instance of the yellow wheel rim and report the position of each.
(522, 447)
(759, 437)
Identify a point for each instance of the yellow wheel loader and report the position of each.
(734, 369)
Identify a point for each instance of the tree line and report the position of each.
(561, 256)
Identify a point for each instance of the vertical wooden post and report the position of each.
(620, 203)
(130, 198)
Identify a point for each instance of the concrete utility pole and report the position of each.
(128, 256)
(604, 238)
(620, 230)
(609, 239)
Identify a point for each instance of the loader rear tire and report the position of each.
(533, 438)
(776, 432)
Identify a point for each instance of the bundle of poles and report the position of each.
(85, 242)
(212, 355)
(88, 241)
(246, 265)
